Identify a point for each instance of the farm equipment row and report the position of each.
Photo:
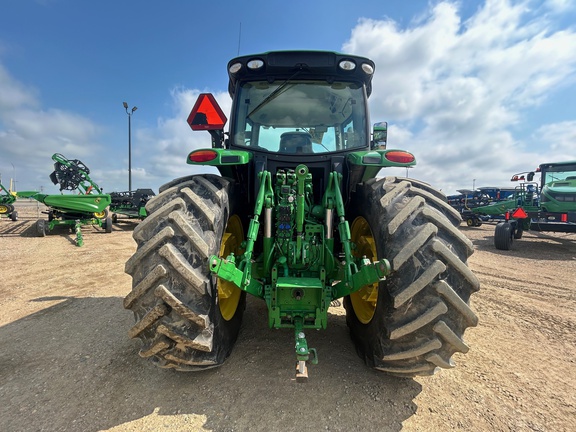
(467, 201)
(549, 205)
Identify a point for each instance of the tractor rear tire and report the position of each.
(184, 317)
(412, 322)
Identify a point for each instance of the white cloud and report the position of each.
(14, 95)
(560, 138)
(29, 135)
(461, 86)
(560, 6)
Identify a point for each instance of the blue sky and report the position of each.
(477, 90)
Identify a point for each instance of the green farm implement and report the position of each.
(130, 204)
(546, 206)
(298, 219)
(88, 206)
(487, 197)
(7, 199)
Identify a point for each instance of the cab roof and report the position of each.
(302, 65)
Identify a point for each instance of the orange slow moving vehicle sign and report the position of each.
(519, 213)
(206, 114)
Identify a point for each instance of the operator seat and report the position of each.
(296, 142)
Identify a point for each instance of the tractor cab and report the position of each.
(294, 107)
(278, 98)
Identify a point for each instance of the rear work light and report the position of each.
(399, 156)
(203, 156)
(347, 65)
(367, 68)
(255, 64)
(235, 68)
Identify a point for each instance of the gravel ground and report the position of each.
(67, 364)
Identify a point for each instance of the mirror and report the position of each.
(379, 135)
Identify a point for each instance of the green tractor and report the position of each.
(298, 219)
(7, 199)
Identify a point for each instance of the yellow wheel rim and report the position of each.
(3, 209)
(364, 301)
(100, 215)
(228, 293)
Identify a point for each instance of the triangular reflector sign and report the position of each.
(519, 213)
(206, 114)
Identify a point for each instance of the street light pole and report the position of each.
(13, 180)
(129, 144)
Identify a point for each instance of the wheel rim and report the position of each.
(364, 301)
(469, 222)
(228, 293)
(100, 215)
(3, 209)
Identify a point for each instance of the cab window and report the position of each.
(300, 117)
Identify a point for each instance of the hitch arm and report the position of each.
(368, 274)
(303, 353)
(225, 269)
(240, 274)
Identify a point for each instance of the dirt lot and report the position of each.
(67, 364)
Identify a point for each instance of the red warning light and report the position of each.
(206, 114)
(202, 155)
(399, 156)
